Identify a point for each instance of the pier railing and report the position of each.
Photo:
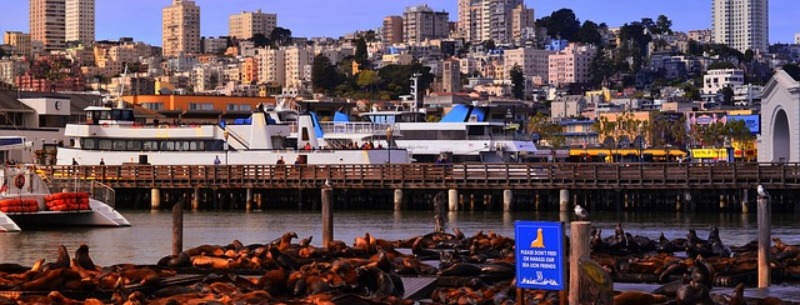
(438, 176)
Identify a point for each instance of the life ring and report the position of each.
(19, 181)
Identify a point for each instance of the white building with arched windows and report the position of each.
(780, 120)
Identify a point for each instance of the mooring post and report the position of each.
(579, 247)
(196, 199)
(398, 200)
(155, 199)
(248, 202)
(177, 229)
(745, 201)
(564, 200)
(327, 216)
(258, 201)
(439, 211)
(452, 199)
(764, 241)
(508, 200)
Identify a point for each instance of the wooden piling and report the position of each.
(327, 216)
(764, 241)
(155, 198)
(177, 229)
(440, 207)
(578, 247)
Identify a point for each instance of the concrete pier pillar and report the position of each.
(508, 200)
(259, 202)
(452, 200)
(196, 199)
(563, 200)
(678, 204)
(248, 201)
(398, 200)
(155, 198)
(745, 199)
(536, 201)
(627, 201)
(471, 202)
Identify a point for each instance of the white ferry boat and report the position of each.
(112, 136)
(465, 134)
(26, 201)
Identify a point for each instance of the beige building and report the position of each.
(47, 23)
(533, 62)
(20, 41)
(80, 21)
(451, 75)
(392, 29)
(522, 18)
(298, 67)
(421, 23)
(248, 24)
(571, 65)
(482, 20)
(181, 28)
(741, 24)
(271, 66)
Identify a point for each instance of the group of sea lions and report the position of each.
(291, 271)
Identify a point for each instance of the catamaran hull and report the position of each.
(100, 215)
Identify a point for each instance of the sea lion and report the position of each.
(737, 298)
(181, 260)
(461, 269)
(13, 268)
(306, 241)
(377, 282)
(638, 298)
(693, 293)
(286, 241)
(59, 299)
(82, 257)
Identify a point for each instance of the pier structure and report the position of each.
(499, 187)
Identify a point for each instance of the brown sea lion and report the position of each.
(286, 241)
(638, 298)
(83, 259)
(211, 262)
(50, 280)
(59, 299)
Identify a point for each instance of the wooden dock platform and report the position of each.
(517, 176)
(789, 295)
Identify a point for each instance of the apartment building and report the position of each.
(20, 41)
(80, 21)
(741, 24)
(451, 75)
(496, 20)
(421, 23)
(571, 65)
(248, 24)
(181, 28)
(392, 29)
(47, 22)
(271, 66)
(715, 80)
(298, 67)
(532, 62)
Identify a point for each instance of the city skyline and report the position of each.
(116, 19)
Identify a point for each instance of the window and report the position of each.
(89, 144)
(134, 145)
(105, 145)
(119, 145)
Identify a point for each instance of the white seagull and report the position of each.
(328, 183)
(762, 192)
(581, 212)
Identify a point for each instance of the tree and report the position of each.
(361, 55)
(489, 45)
(748, 55)
(562, 23)
(590, 33)
(260, 40)
(727, 95)
(721, 66)
(601, 68)
(664, 25)
(518, 82)
(324, 77)
(280, 37)
(368, 79)
(792, 70)
(2, 53)
(547, 130)
(694, 48)
(370, 36)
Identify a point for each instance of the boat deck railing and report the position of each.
(351, 128)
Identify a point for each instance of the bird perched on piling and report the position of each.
(581, 213)
(762, 192)
(328, 183)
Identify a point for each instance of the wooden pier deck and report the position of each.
(528, 176)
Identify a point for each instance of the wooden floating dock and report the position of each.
(789, 295)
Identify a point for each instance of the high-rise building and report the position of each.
(80, 21)
(20, 41)
(522, 20)
(392, 29)
(534, 63)
(248, 24)
(181, 28)
(741, 24)
(47, 23)
(571, 65)
(496, 20)
(797, 38)
(421, 22)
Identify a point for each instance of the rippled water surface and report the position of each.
(149, 238)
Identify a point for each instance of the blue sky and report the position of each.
(142, 19)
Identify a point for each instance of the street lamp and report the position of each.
(389, 132)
